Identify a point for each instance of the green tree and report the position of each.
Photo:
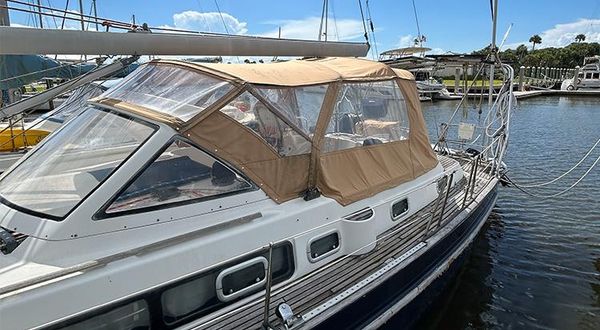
(535, 39)
(521, 52)
(580, 37)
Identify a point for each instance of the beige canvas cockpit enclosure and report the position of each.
(348, 127)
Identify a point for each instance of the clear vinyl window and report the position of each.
(300, 105)
(169, 89)
(366, 114)
(250, 112)
(181, 173)
(73, 161)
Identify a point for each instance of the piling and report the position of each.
(456, 80)
(575, 77)
(521, 77)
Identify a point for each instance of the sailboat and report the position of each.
(292, 195)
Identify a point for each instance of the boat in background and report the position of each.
(421, 67)
(587, 78)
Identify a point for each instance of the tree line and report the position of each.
(558, 57)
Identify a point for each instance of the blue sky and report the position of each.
(458, 26)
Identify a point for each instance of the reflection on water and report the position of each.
(537, 265)
(474, 285)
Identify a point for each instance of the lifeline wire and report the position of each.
(558, 193)
(567, 172)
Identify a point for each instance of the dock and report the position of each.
(533, 93)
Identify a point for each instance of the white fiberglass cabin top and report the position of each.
(183, 192)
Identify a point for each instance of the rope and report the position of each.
(558, 193)
(564, 174)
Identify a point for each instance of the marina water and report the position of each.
(536, 265)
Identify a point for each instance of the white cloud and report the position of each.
(406, 41)
(308, 28)
(564, 34)
(208, 22)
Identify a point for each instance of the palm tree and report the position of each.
(535, 39)
(580, 37)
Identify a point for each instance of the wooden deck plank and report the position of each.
(331, 281)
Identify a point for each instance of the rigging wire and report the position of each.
(106, 21)
(326, 19)
(337, 35)
(222, 19)
(225, 26)
(362, 15)
(417, 20)
(370, 19)
(53, 18)
(62, 25)
(322, 19)
(49, 69)
(87, 27)
(203, 17)
(32, 13)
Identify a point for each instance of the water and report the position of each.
(537, 264)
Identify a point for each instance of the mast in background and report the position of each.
(4, 18)
(4, 21)
(493, 53)
(39, 2)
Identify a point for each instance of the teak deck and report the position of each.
(316, 288)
